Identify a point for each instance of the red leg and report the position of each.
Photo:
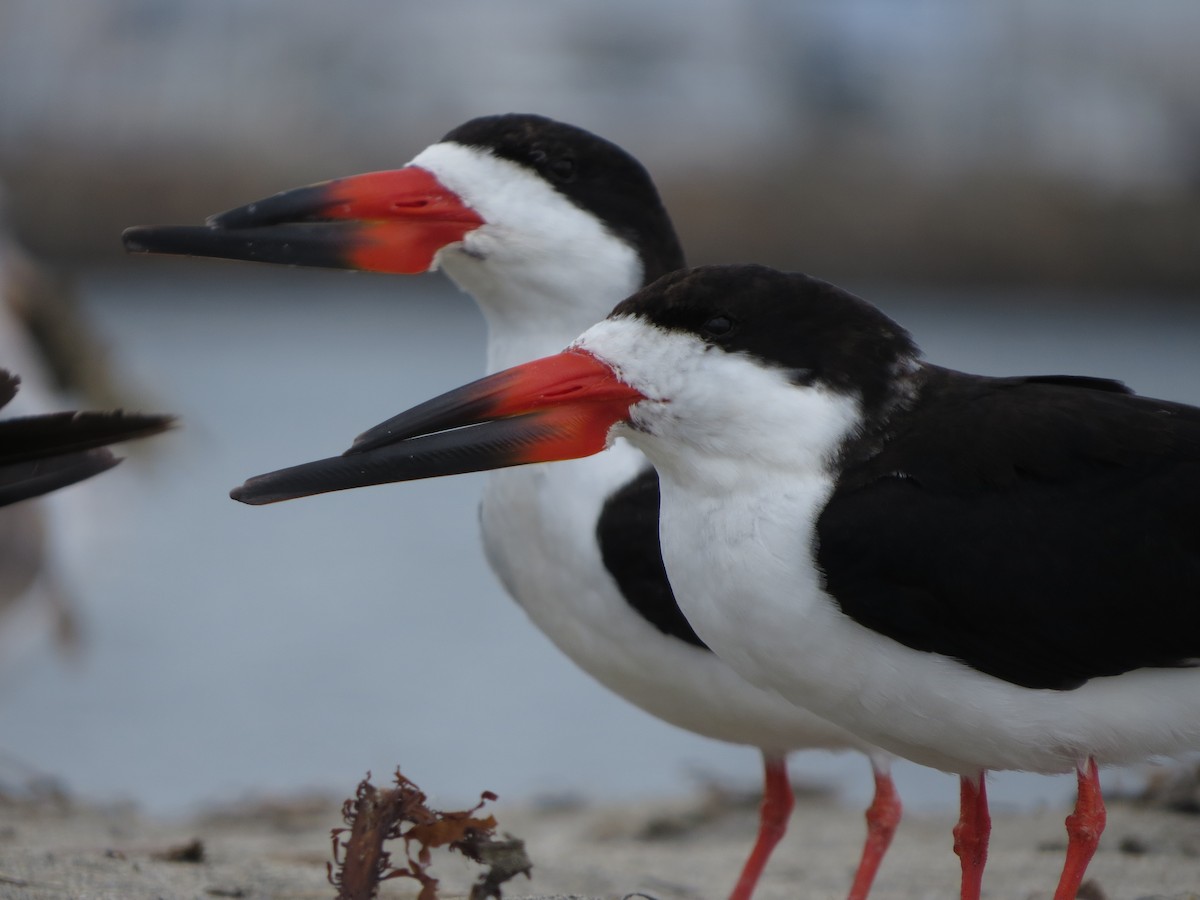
(1084, 827)
(883, 815)
(971, 834)
(778, 800)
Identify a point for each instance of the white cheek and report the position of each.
(644, 356)
(541, 268)
(525, 215)
(720, 406)
(480, 244)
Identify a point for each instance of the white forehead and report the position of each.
(644, 356)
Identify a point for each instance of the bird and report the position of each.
(547, 226)
(61, 360)
(45, 452)
(974, 573)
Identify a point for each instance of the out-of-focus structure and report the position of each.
(933, 141)
(59, 360)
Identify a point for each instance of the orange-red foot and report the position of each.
(1084, 827)
(971, 834)
(778, 800)
(883, 815)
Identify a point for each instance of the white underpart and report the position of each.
(743, 458)
(542, 271)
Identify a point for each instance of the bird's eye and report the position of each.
(562, 169)
(718, 326)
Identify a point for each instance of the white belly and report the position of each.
(746, 580)
(570, 596)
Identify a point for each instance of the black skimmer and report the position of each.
(520, 210)
(975, 573)
(45, 452)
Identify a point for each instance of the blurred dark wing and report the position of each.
(42, 453)
(35, 437)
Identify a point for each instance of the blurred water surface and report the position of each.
(236, 650)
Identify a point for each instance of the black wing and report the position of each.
(1042, 530)
(627, 532)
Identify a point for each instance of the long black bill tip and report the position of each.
(257, 495)
(322, 244)
(480, 447)
(304, 480)
(261, 491)
(180, 240)
(243, 495)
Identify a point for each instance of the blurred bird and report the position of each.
(44, 337)
(548, 226)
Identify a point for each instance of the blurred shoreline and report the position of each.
(832, 219)
(1011, 144)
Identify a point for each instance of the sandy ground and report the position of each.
(686, 849)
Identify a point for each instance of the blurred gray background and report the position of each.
(1000, 141)
(1016, 182)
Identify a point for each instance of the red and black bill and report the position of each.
(394, 221)
(556, 408)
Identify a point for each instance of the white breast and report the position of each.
(565, 589)
(771, 621)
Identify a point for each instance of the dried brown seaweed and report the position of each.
(375, 816)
